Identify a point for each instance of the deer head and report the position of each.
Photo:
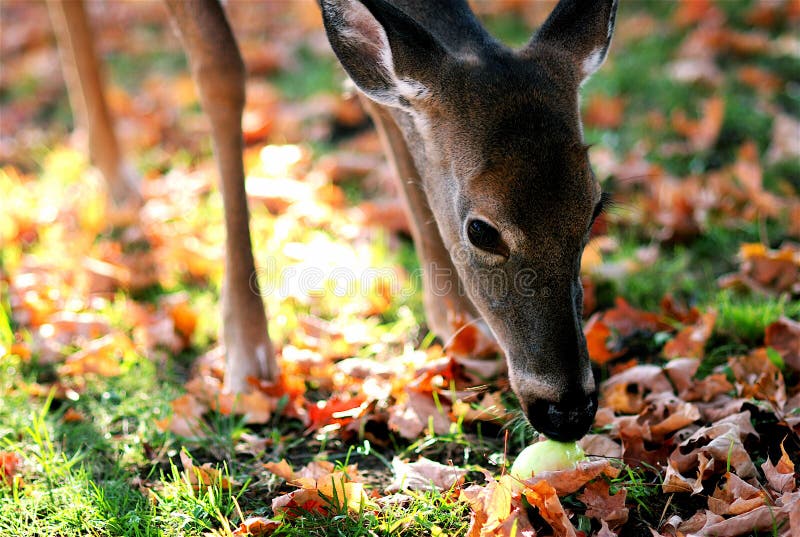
(497, 138)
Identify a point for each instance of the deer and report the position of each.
(486, 143)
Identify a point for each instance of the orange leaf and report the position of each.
(100, 357)
(784, 336)
(543, 496)
(8, 466)
(691, 340)
(491, 506)
(203, 476)
(281, 469)
(602, 505)
(604, 112)
(597, 335)
(335, 410)
(257, 526)
(702, 134)
(185, 319)
(72, 416)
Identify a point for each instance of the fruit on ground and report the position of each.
(546, 456)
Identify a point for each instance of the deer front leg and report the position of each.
(87, 99)
(443, 296)
(219, 74)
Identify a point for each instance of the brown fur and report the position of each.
(495, 134)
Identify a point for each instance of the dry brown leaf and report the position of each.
(335, 410)
(691, 340)
(470, 338)
(780, 476)
(598, 335)
(759, 79)
(784, 336)
(690, 12)
(323, 494)
(720, 445)
(604, 112)
(767, 271)
(100, 357)
(281, 469)
(424, 474)
(186, 419)
(257, 526)
(701, 134)
(73, 416)
(491, 506)
(203, 476)
(604, 506)
(681, 373)
(625, 392)
(543, 496)
(572, 479)
(756, 376)
(600, 445)
(664, 415)
(603, 329)
(764, 518)
(410, 416)
(733, 496)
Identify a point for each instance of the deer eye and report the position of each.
(486, 237)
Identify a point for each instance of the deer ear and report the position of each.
(389, 56)
(583, 29)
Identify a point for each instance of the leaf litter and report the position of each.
(723, 443)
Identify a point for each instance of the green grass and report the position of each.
(310, 76)
(115, 474)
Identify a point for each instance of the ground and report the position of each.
(112, 420)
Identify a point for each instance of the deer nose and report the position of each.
(566, 420)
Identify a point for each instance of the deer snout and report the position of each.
(565, 420)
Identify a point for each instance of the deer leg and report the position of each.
(87, 99)
(443, 295)
(219, 74)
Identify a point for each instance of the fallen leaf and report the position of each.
(101, 357)
(572, 479)
(543, 496)
(691, 340)
(756, 376)
(203, 476)
(186, 419)
(784, 336)
(281, 469)
(598, 334)
(712, 449)
(8, 467)
(604, 506)
(604, 112)
(701, 134)
(491, 506)
(335, 410)
(780, 476)
(764, 518)
(625, 392)
(767, 271)
(73, 416)
(257, 526)
(331, 492)
(424, 474)
(412, 414)
(733, 496)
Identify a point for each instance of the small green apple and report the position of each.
(546, 456)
